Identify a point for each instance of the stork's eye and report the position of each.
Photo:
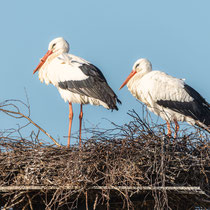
(53, 45)
(137, 65)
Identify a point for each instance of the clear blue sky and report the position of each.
(112, 34)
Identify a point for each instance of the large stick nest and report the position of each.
(130, 166)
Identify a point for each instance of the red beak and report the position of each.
(49, 52)
(128, 78)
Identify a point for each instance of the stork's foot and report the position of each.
(169, 135)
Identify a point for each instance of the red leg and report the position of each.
(169, 129)
(176, 128)
(80, 125)
(70, 123)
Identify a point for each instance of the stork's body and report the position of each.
(77, 80)
(168, 97)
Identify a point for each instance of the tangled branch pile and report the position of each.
(133, 166)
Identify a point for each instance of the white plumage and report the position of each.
(77, 80)
(168, 97)
(64, 68)
(61, 68)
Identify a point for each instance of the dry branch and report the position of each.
(10, 104)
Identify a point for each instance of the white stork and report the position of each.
(168, 97)
(77, 80)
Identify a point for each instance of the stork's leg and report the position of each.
(80, 125)
(176, 128)
(70, 123)
(169, 129)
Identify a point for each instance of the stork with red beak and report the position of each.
(168, 97)
(77, 80)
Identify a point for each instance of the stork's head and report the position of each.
(58, 45)
(141, 66)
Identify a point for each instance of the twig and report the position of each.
(31, 121)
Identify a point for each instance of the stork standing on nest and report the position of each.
(77, 80)
(168, 97)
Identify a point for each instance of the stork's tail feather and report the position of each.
(200, 109)
(118, 101)
(113, 105)
(205, 121)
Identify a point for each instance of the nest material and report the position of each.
(133, 166)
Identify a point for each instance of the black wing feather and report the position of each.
(198, 108)
(94, 86)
